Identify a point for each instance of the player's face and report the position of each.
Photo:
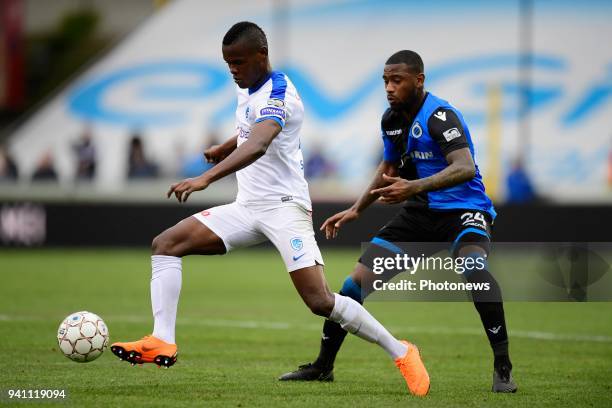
(403, 86)
(246, 63)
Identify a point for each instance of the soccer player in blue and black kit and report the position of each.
(429, 164)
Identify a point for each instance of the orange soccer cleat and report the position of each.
(413, 370)
(147, 350)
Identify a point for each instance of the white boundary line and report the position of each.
(263, 325)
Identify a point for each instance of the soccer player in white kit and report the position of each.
(272, 204)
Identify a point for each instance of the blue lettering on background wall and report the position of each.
(594, 98)
(325, 106)
(512, 92)
(87, 101)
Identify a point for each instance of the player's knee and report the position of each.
(321, 304)
(163, 244)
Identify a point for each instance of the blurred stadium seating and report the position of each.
(533, 80)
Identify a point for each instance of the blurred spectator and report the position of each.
(8, 168)
(86, 156)
(520, 189)
(317, 165)
(139, 167)
(195, 164)
(45, 171)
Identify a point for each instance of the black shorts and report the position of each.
(413, 226)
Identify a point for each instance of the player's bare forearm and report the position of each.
(216, 153)
(260, 138)
(229, 145)
(256, 145)
(460, 169)
(367, 198)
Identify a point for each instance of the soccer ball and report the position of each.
(82, 336)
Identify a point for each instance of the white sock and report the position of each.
(355, 319)
(166, 282)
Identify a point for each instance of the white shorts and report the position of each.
(288, 227)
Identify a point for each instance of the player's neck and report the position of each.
(411, 110)
(264, 77)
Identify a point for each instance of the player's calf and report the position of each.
(312, 287)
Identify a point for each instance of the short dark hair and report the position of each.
(245, 30)
(410, 58)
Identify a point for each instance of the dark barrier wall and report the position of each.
(53, 224)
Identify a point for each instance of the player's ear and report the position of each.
(420, 78)
(263, 50)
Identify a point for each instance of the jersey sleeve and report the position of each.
(390, 153)
(446, 129)
(271, 109)
(388, 125)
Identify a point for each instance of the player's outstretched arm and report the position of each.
(262, 134)
(460, 169)
(333, 223)
(216, 153)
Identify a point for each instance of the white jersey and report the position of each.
(277, 176)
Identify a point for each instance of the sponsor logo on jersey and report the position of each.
(393, 132)
(416, 130)
(273, 112)
(286, 198)
(296, 243)
(279, 103)
(246, 113)
(440, 115)
(421, 155)
(243, 133)
(451, 134)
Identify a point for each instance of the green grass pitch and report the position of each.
(241, 324)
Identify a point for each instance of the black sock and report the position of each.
(502, 358)
(331, 341)
(491, 310)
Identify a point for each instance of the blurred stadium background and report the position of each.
(104, 103)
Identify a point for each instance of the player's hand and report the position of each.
(333, 223)
(214, 154)
(399, 190)
(184, 188)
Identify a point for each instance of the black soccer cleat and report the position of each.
(502, 380)
(309, 372)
